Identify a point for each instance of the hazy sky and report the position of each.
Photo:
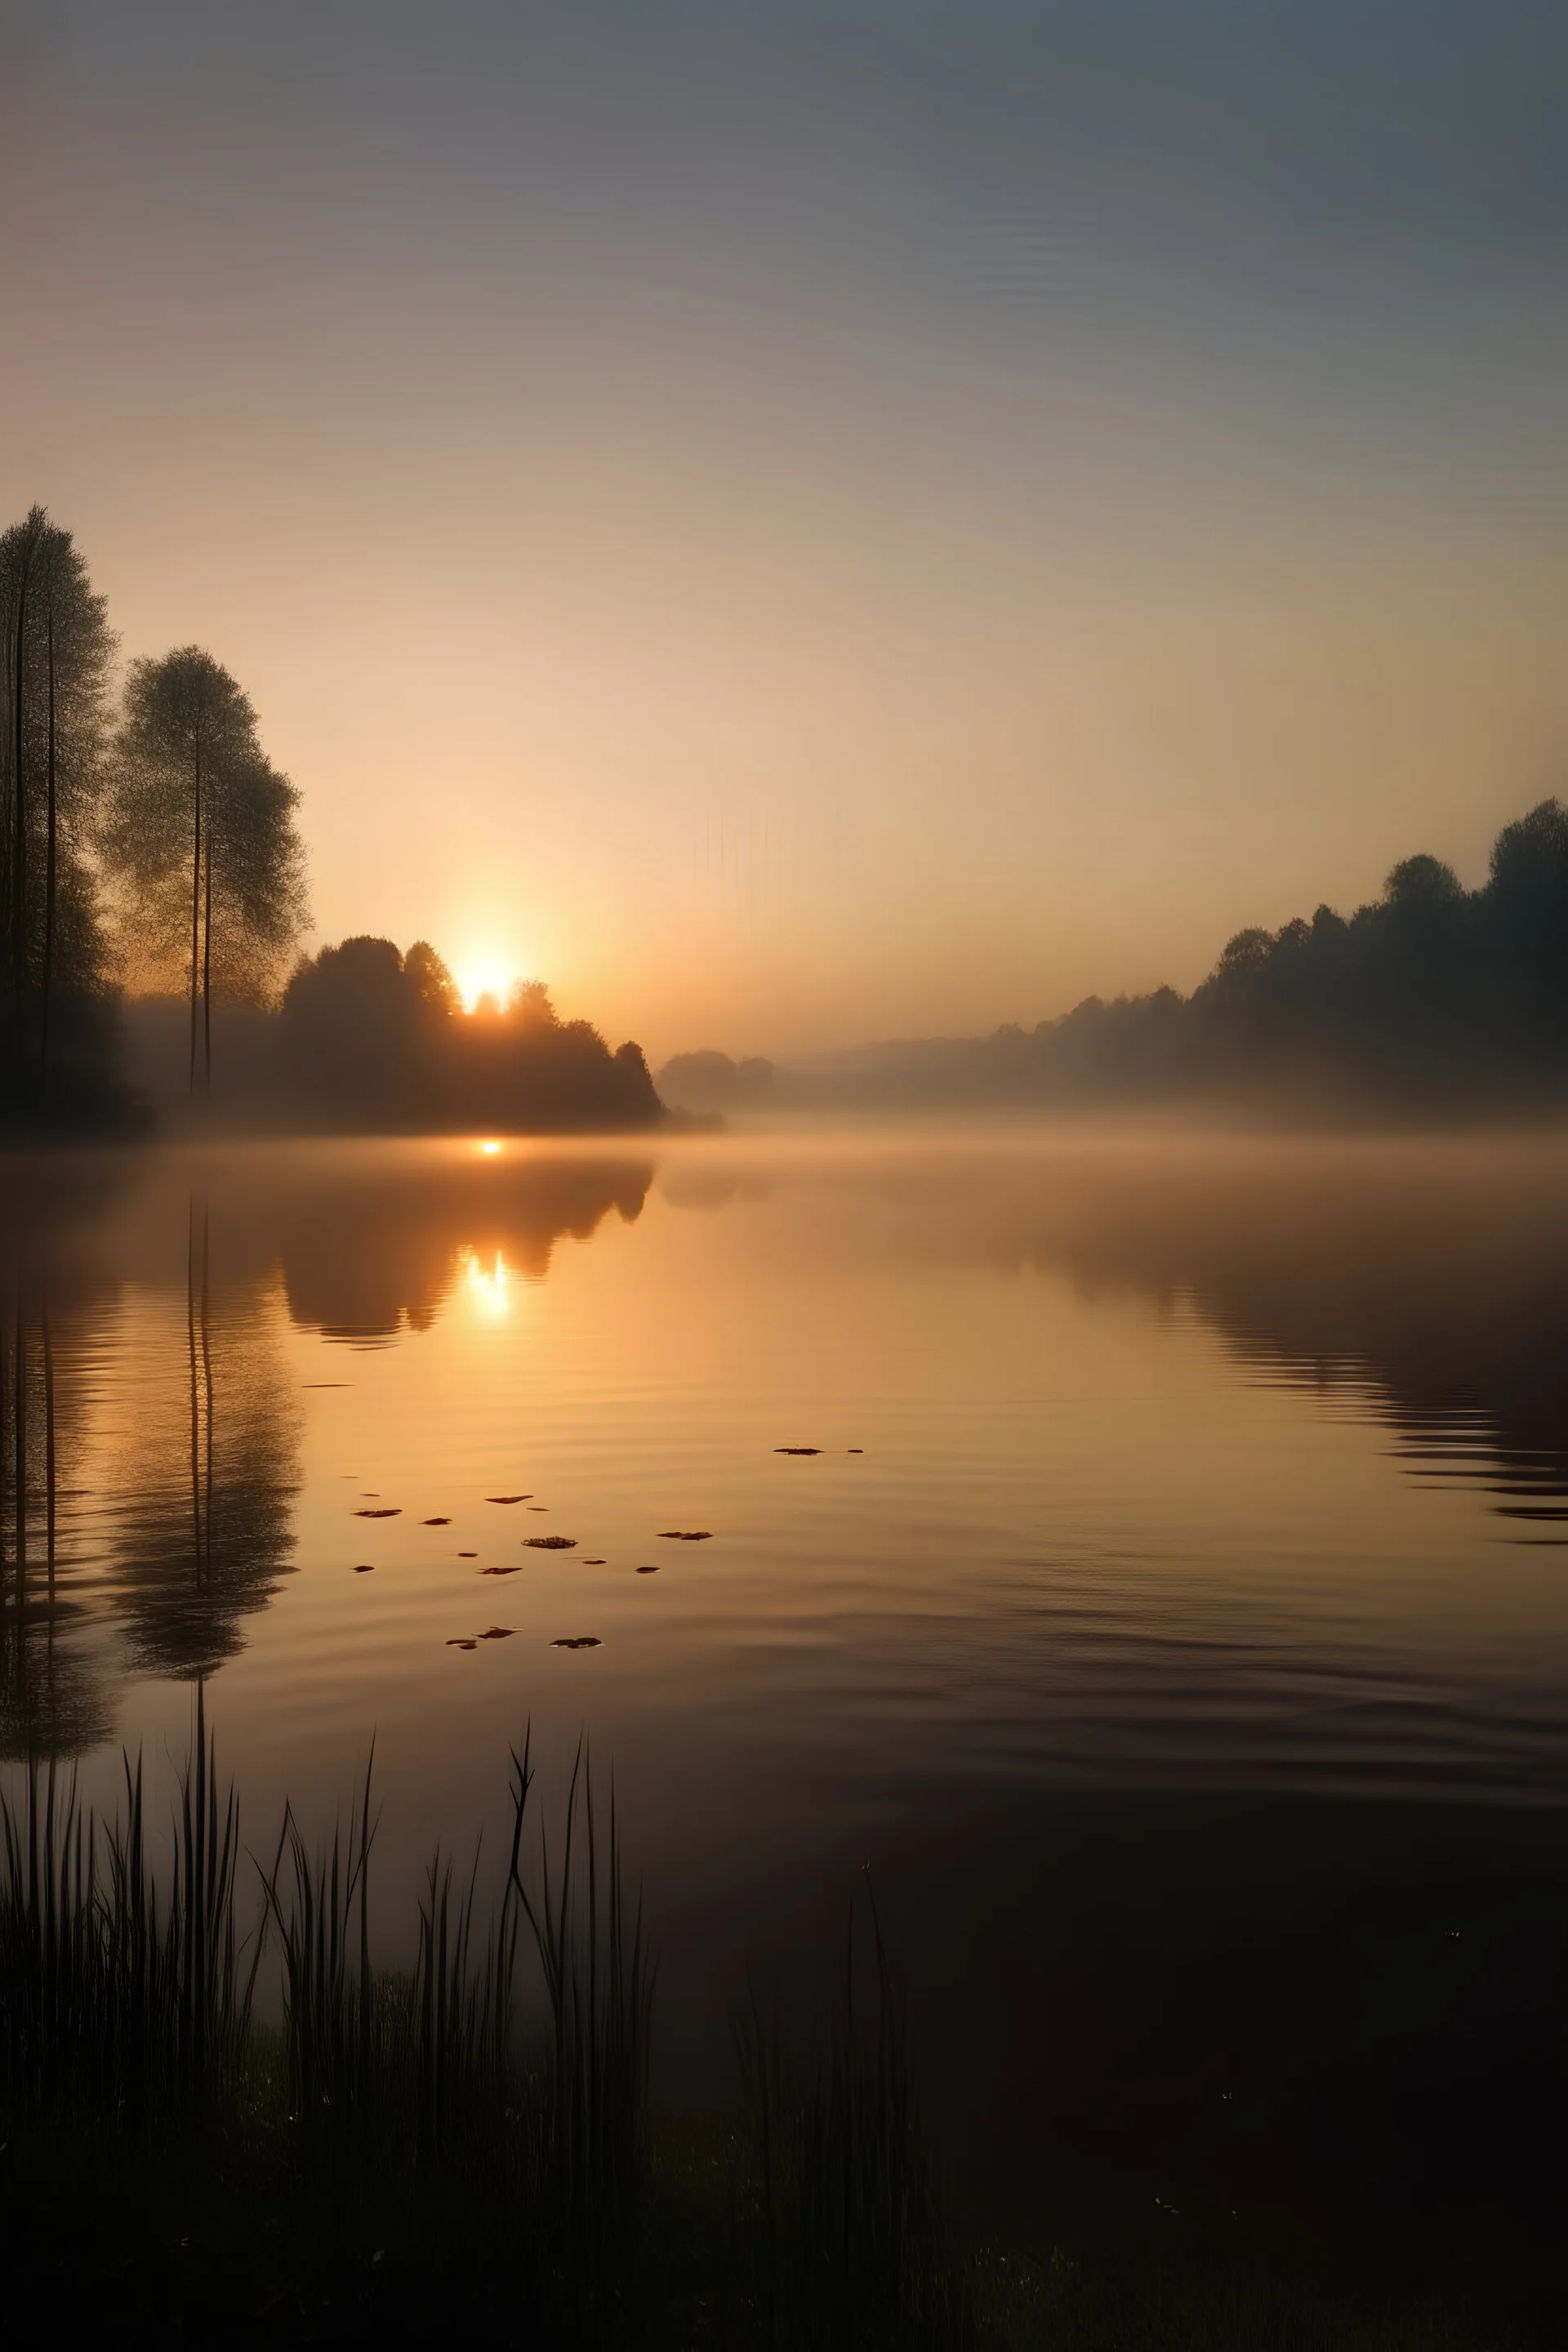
(798, 522)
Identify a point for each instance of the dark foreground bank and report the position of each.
(469, 2145)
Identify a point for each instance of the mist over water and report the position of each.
(784, 1174)
(1199, 1499)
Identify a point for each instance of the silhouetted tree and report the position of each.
(709, 1081)
(58, 650)
(432, 983)
(18, 555)
(371, 1039)
(205, 831)
(361, 1028)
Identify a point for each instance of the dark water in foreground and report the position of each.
(1174, 1616)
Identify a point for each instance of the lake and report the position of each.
(1149, 1556)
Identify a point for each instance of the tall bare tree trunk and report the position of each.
(49, 860)
(195, 908)
(19, 812)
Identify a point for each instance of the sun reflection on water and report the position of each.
(488, 1285)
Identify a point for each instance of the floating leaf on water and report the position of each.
(593, 1563)
(551, 1543)
(798, 1449)
(854, 1449)
(458, 1645)
(387, 1511)
(510, 1567)
(651, 1570)
(506, 1498)
(498, 1633)
(438, 1523)
(576, 1642)
(468, 1555)
(539, 1507)
(686, 1535)
(365, 1568)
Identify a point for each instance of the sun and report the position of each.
(484, 976)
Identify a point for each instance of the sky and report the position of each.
(799, 523)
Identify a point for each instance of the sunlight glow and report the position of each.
(485, 976)
(489, 1286)
(489, 1150)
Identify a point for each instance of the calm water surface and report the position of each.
(1173, 1612)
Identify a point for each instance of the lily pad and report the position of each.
(551, 1543)
(510, 1567)
(576, 1642)
(686, 1535)
(387, 1511)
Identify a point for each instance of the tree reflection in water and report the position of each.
(371, 1244)
(196, 1458)
(1425, 1284)
(206, 1473)
(52, 1694)
(145, 1326)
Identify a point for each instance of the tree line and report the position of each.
(145, 835)
(366, 1039)
(1431, 1002)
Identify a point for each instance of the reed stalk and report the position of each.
(122, 2009)
(848, 2243)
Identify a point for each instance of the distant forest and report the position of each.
(152, 904)
(1434, 1002)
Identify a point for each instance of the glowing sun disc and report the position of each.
(485, 977)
